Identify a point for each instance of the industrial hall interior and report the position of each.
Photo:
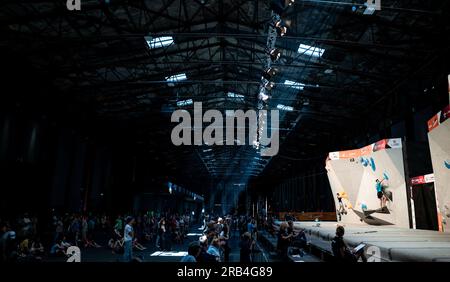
(241, 131)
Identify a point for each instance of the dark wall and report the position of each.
(53, 154)
(306, 192)
(46, 166)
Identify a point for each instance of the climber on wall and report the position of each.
(341, 209)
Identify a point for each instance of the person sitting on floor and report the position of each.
(138, 246)
(116, 245)
(58, 249)
(89, 242)
(37, 249)
(65, 243)
(24, 248)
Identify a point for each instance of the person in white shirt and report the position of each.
(181, 223)
(128, 240)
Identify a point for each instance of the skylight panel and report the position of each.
(158, 42)
(175, 78)
(285, 108)
(310, 50)
(293, 84)
(234, 95)
(184, 102)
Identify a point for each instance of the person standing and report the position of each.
(128, 239)
(182, 230)
(225, 235)
(59, 229)
(341, 209)
(162, 234)
(246, 245)
(251, 227)
(118, 226)
(8, 245)
(75, 230)
(84, 230)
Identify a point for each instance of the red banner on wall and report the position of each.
(417, 180)
(380, 145)
(439, 118)
(422, 179)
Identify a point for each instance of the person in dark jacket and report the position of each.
(284, 240)
(246, 245)
(340, 250)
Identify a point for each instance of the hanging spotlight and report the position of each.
(263, 95)
(281, 27)
(275, 54)
(269, 85)
(282, 31)
(269, 73)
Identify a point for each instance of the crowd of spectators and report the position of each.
(20, 237)
(25, 238)
(214, 243)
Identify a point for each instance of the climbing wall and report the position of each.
(439, 140)
(354, 173)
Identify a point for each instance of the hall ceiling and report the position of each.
(99, 56)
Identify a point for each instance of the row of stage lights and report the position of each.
(277, 27)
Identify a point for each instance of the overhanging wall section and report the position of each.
(353, 175)
(439, 140)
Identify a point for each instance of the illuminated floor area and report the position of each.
(394, 244)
